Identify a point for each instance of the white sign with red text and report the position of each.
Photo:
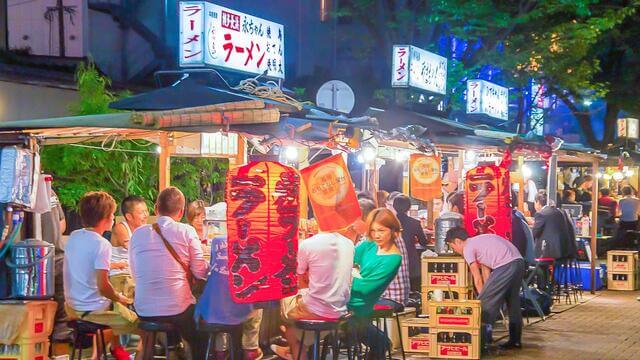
(418, 68)
(487, 98)
(235, 41)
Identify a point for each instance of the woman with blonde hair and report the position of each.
(377, 260)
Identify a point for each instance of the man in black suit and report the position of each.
(551, 230)
(411, 231)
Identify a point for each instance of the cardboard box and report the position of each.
(455, 344)
(445, 271)
(622, 261)
(415, 335)
(627, 281)
(464, 314)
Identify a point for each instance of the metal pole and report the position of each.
(594, 224)
(552, 180)
(60, 7)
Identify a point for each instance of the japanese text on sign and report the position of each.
(487, 98)
(233, 40)
(421, 69)
(191, 28)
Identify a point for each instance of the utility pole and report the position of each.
(60, 8)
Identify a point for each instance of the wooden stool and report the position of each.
(153, 328)
(218, 329)
(83, 334)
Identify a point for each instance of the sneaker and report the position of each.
(253, 354)
(282, 352)
(119, 353)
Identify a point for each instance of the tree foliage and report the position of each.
(117, 166)
(579, 49)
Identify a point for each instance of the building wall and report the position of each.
(23, 101)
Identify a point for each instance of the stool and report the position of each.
(566, 281)
(214, 330)
(383, 312)
(83, 334)
(153, 328)
(318, 325)
(397, 308)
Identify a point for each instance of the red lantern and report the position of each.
(262, 224)
(488, 201)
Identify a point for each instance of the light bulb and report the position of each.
(628, 173)
(158, 149)
(599, 175)
(368, 154)
(402, 155)
(526, 171)
(606, 176)
(470, 155)
(291, 153)
(617, 176)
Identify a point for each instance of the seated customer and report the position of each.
(195, 217)
(608, 202)
(411, 234)
(88, 293)
(163, 293)
(377, 260)
(216, 306)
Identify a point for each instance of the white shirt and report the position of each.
(532, 191)
(85, 252)
(328, 258)
(162, 288)
(120, 254)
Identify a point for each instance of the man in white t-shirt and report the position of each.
(325, 264)
(88, 293)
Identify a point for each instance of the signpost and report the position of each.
(487, 98)
(418, 68)
(212, 35)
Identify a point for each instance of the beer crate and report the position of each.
(415, 335)
(455, 314)
(622, 281)
(37, 318)
(622, 261)
(455, 344)
(445, 271)
(451, 293)
(25, 350)
(392, 326)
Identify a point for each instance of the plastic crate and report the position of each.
(445, 271)
(627, 281)
(455, 314)
(622, 261)
(449, 293)
(38, 319)
(455, 344)
(25, 350)
(415, 335)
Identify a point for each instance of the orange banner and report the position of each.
(331, 192)
(425, 182)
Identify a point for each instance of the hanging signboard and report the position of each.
(212, 35)
(418, 68)
(536, 111)
(425, 182)
(487, 98)
(628, 128)
(488, 201)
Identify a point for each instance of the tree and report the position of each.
(573, 47)
(121, 167)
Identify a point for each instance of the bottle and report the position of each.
(585, 225)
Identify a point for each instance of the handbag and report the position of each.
(197, 285)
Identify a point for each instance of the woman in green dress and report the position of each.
(376, 263)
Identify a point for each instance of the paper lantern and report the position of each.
(488, 201)
(262, 225)
(425, 182)
(331, 192)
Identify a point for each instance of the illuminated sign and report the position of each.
(418, 68)
(487, 98)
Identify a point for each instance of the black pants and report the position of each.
(186, 326)
(503, 285)
(622, 241)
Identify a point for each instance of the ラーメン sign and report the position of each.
(212, 35)
(417, 68)
(487, 98)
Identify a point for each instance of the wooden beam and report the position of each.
(594, 224)
(521, 185)
(164, 168)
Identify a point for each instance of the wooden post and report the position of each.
(521, 185)
(241, 157)
(594, 224)
(460, 169)
(164, 168)
(552, 180)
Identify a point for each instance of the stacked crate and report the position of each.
(622, 270)
(32, 336)
(455, 329)
(447, 273)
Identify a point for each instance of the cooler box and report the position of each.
(584, 276)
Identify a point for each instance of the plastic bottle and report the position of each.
(585, 225)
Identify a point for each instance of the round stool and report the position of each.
(151, 329)
(317, 326)
(384, 312)
(218, 329)
(383, 309)
(83, 335)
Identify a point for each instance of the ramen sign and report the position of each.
(333, 198)
(425, 180)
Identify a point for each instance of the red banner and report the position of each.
(262, 224)
(425, 182)
(488, 201)
(331, 192)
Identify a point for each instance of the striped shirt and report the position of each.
(398, 289)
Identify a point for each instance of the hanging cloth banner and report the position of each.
(331, 192)
(425, 182)
(488, 201)
(263, 213)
